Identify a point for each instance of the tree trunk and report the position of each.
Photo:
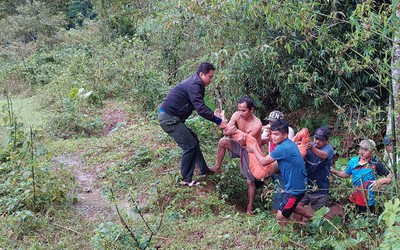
(394, 101)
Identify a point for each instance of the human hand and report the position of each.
(223, 124)
(376, 185)
(217, 112)
(230, 130)
(242, 140)
(309, 146)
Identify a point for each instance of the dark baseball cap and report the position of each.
(322, 133)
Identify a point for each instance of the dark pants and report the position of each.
(188, 141)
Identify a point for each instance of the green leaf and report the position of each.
(392, 211)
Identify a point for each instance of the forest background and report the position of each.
(82, 82)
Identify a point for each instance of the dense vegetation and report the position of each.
(321, 62)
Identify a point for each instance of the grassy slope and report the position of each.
(139, 163)
(27, 110)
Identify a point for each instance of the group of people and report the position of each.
(303, 175)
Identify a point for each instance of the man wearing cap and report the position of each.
(388, 155)
(364, 168)
(318, 163)
(271, 118)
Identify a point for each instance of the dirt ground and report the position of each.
(91, 203)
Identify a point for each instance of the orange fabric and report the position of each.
(301, 139)
(259, 171)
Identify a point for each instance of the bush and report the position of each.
(27, 178)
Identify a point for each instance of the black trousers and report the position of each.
(188, 141)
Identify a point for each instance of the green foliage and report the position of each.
(78, 10)
(391, 220)
(28, 181)
(72, 120)
(204, 129)
(232, 185)
(321, 62)
(112, 236)
(33, 22)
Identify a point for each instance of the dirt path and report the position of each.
(90, 203)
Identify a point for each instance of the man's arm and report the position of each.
(230, 127)
(262, 159)
(318, 152)
(382, 171)
(321, 154)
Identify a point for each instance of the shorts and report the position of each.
(289, 203)
(316, 200)
(237, 151)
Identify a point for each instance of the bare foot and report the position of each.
(216, 170)
(220, 114)
(250, 210)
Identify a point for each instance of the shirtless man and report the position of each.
(246, 121)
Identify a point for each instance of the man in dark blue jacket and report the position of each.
(179, 104)
(319, 159)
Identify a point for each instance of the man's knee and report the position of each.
(190, 147)
(250, 183)
(224, 143)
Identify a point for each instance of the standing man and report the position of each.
(179, 104)
(318, 163)
(364, 170)
(246, 121)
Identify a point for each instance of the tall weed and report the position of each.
(28, 180)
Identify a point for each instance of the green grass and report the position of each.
(27, 110)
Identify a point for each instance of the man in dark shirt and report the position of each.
(179, 104)
(318, 163)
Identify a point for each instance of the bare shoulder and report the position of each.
(259, 123)
(256, 123)
(235, 117)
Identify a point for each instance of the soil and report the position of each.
(91, 204)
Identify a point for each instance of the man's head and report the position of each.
(206, 72)
(321, 137)
(273, 116)
(246, 106)
(279, 131)
(367, 147)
